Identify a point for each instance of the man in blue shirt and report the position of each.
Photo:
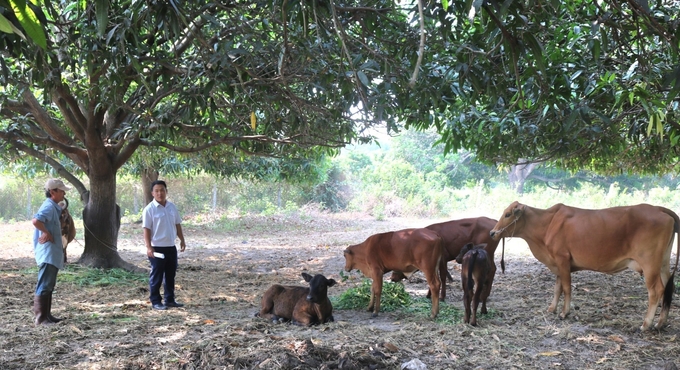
(161, 223)
(49, 251)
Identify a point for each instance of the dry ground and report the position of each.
(223, 274)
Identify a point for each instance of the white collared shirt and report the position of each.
(162, 221)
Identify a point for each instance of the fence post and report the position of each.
(214, 198)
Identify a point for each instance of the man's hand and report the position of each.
(45, 237)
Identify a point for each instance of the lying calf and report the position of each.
(475, 270)
(302, 305)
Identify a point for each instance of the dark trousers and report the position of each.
(163, 271)
(47, 279)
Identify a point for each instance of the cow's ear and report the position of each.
(518, 211)
(331, 282)
(306, 276)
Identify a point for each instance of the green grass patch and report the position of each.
(448, 313)
(396, 298)
(86, 276)
(393, 297)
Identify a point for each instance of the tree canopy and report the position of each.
(581, 84)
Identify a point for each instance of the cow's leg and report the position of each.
(376, 291)
(487, 286)
(556, 295)
(267, 309)
(435, 286)
(442, 278)
(669, 288)
(476, 298)
(64, 243)
(466, 297)
(665, 273)
(566, 289)
(655, 289)
(303, 318)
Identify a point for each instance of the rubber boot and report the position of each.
(40, 305)
(49, 311)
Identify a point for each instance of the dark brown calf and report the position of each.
(406, 251)
(475, 270)
(302, 305)
(68, 227)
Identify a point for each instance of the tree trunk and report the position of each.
(101, 220)
(149, 175)
(519, 174)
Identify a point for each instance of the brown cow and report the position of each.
(68, 227)
(405, 250)
(454, 235)
(475, 270)
(609, 240)
(302, 305)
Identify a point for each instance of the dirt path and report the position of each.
(223, 274)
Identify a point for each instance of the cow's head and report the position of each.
(466, 248)
(349, 259)
(318, 287)
(63, 204)
(511, 215)
(65, 217)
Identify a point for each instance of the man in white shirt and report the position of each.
(162, 226)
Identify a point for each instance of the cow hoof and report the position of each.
(483, 311)
(374, 315)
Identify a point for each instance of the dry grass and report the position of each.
(225, 270)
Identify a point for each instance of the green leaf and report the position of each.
(536, 50)
(5, 25)
(363, 78)
(29, 22)
(445, 5)
(102, 7)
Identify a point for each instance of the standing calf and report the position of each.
(475, 270)
(405, 251)
(68, 227)
(301, 305)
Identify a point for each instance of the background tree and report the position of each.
(95, 81)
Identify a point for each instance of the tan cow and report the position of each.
(455, 234)
(68, 227)
(609, 240)
(405, 250)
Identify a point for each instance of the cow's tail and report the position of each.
(471, 269)
(670, 285)
(503, 257)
